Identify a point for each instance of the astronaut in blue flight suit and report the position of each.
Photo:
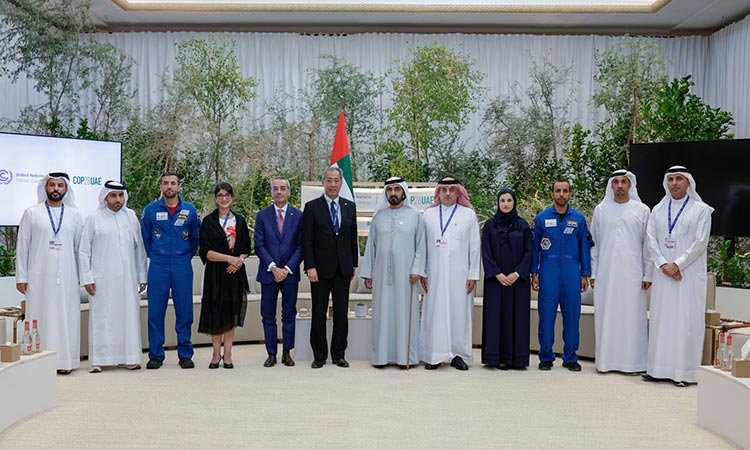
(170, 229)
(561, 265)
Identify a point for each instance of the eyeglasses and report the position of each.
(223, 196)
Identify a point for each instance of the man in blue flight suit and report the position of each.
(170, 229)
(561, 265)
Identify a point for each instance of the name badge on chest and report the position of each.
(181, 218)
(56, 244)
(669, 242)
(162, 216)
(441, 243)
(550, 223)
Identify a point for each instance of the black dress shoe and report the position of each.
(503, 366)
(459, 363)
(341, 362)
(270, 361)
(213, 365)
(649, 378)
(680, 383)
(228, 365)
(154, 364)
(545, 365)
(432, 366)
(380, 366)
(572, 366)
(514, 367)
(317, 364)
(187, 363)
(286, 359)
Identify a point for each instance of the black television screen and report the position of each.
(721, 170)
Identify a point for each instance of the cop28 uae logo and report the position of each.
(6, 176)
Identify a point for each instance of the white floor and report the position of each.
(360, 407)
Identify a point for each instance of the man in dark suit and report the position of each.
(278, 244)
(329, 246)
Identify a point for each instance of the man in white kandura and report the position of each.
(394, 263)
(621, 272)
(113, 270)
(678, 232)
(47, 268)
(452, 270)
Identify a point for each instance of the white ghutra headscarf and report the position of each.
(112, 186)
(68, 199)
(382, 202)
(609, 195)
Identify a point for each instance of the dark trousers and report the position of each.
(338, 287)
(269, 294)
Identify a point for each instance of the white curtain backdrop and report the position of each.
(728, 73)
(719, 65)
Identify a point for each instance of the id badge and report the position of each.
(441, 243)
(669, 242)
(55, 244)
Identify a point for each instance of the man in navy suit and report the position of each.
(278, 244)
(329, 246)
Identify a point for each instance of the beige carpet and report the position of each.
(360, 408)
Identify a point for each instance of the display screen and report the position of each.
(25, 159)
(721, 170)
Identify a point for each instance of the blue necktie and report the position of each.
(334, 218)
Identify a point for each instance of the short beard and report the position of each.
(55, 194)
(395, 200)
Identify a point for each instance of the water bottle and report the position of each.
(727, 364)
(35, 338)
(27, 346)
(719, 359)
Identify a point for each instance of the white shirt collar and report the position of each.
(329, 200)
(283, 209)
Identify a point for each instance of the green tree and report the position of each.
(673, 114)
(298, 145)
(588, 166)
(526, 132)
(433, 97)
(342, 85)
(627, 72)
(208, 75)
(47, 41)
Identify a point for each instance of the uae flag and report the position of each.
(340, 158)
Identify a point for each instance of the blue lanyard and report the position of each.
(443, 229)
(671, 224)
(52, 222)
(224, 225)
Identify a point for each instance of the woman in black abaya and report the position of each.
(506, 254)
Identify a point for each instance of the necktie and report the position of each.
(334, 218)
(281, 221)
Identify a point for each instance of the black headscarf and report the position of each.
(502, 222)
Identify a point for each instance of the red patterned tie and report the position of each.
(281, 222)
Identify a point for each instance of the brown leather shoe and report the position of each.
(286, 359)
(270, 361)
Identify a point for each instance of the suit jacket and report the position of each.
(322, 249)
(283, 249)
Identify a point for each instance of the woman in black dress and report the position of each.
(506, 254)
(224, 245)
